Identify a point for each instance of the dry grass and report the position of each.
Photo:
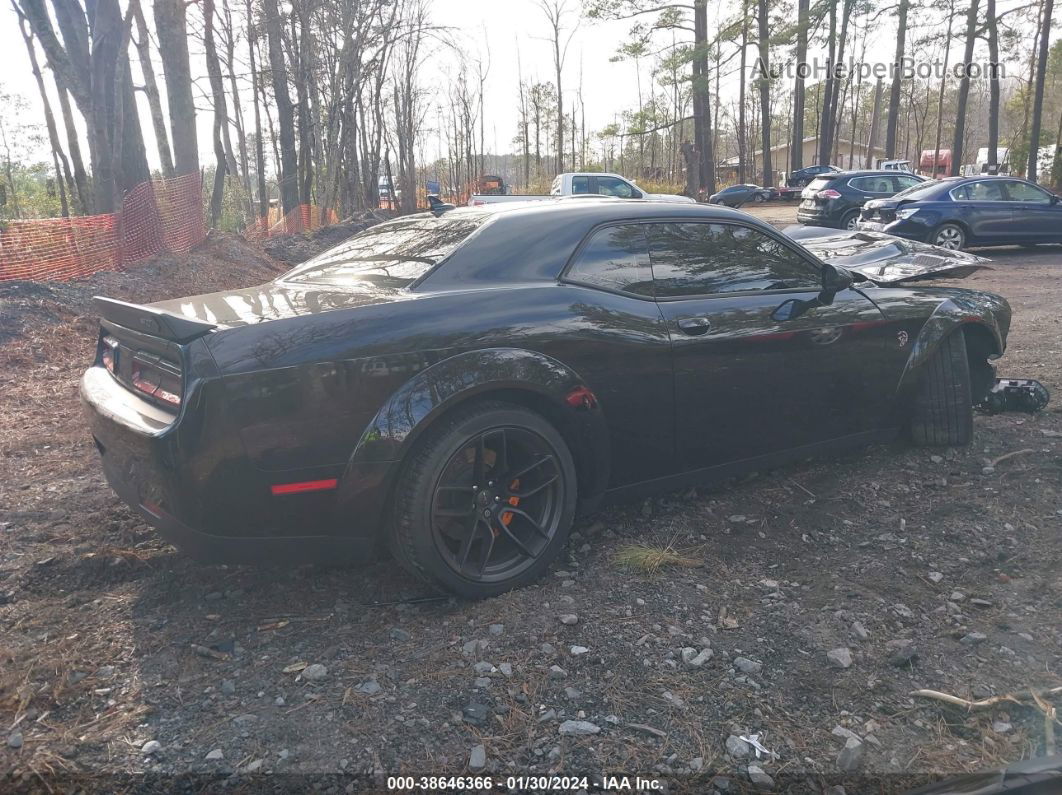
(651, 558)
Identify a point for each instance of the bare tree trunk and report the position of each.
(62, 167)
(221, 116)
(741, 132)
(964, 90)
(151, 89)
(259, 144)
(84, 197)
(241, 137)
(289, 169)
(826, 93)
(1038, 95)
(300, 56)
(992, 24)
(796, 147)
(705, 143)
(555, 11)
(172, 29)
(830, 105)
(765, 93)
(872, 143)
(940, 96)
(894, 90)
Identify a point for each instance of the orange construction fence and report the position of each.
(164, 215)
(157, 216)
(302, 219)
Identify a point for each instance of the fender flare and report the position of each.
(980, 310)
(526, 377)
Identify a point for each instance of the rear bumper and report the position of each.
(811, 218)
(167, 477)
(208, 548)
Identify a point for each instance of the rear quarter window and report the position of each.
(615, 258)
(393, 254)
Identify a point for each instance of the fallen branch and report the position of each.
(1005, 456)
(1015, 698)
(1049, 723)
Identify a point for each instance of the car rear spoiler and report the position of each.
(152, 321)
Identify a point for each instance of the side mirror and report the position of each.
(835, 279)
(637, 194)
(1055, 199)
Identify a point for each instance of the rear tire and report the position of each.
(849, 220)
(950, 236)
(455, 523)
(759, 198)
(943, 408)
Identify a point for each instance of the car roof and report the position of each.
(988, 178)
(532, 241)
(866, 172)
(601, 208)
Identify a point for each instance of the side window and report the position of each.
(882, 184)
(989, 191)
(705, 259)
(580, 185)
(611, 186)
(615, 258)
(903, 183)
(1024, 192)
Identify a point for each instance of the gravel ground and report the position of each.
(810, 602)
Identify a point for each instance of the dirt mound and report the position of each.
(294, 249)
(221, 261)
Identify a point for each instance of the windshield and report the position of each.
(919, 191)
(391, 255)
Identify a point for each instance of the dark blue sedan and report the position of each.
(969, 211)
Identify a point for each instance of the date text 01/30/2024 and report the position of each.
(617, 783)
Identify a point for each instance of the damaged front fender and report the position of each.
(984, 317)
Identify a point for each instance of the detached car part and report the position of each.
(1015, 394)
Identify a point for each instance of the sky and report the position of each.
(490, 30)
(493, 31)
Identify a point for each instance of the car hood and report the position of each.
(277, 300)
(670, 197)
(885, 259)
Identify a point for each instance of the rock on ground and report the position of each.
(839, 658)
(577, 727)
(477, 759)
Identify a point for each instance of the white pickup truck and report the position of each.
(584, 184)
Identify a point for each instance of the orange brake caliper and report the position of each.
(513, 501)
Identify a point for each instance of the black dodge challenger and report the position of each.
(462, 386)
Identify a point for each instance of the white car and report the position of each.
(585, 184)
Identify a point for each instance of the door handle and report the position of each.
(694, 326)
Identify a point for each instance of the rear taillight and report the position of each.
(108, 352)
(829, 193)
(157, 378)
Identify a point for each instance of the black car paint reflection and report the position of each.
(316, 377)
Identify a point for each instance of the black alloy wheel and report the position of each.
(486, 501)
(497, 504)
